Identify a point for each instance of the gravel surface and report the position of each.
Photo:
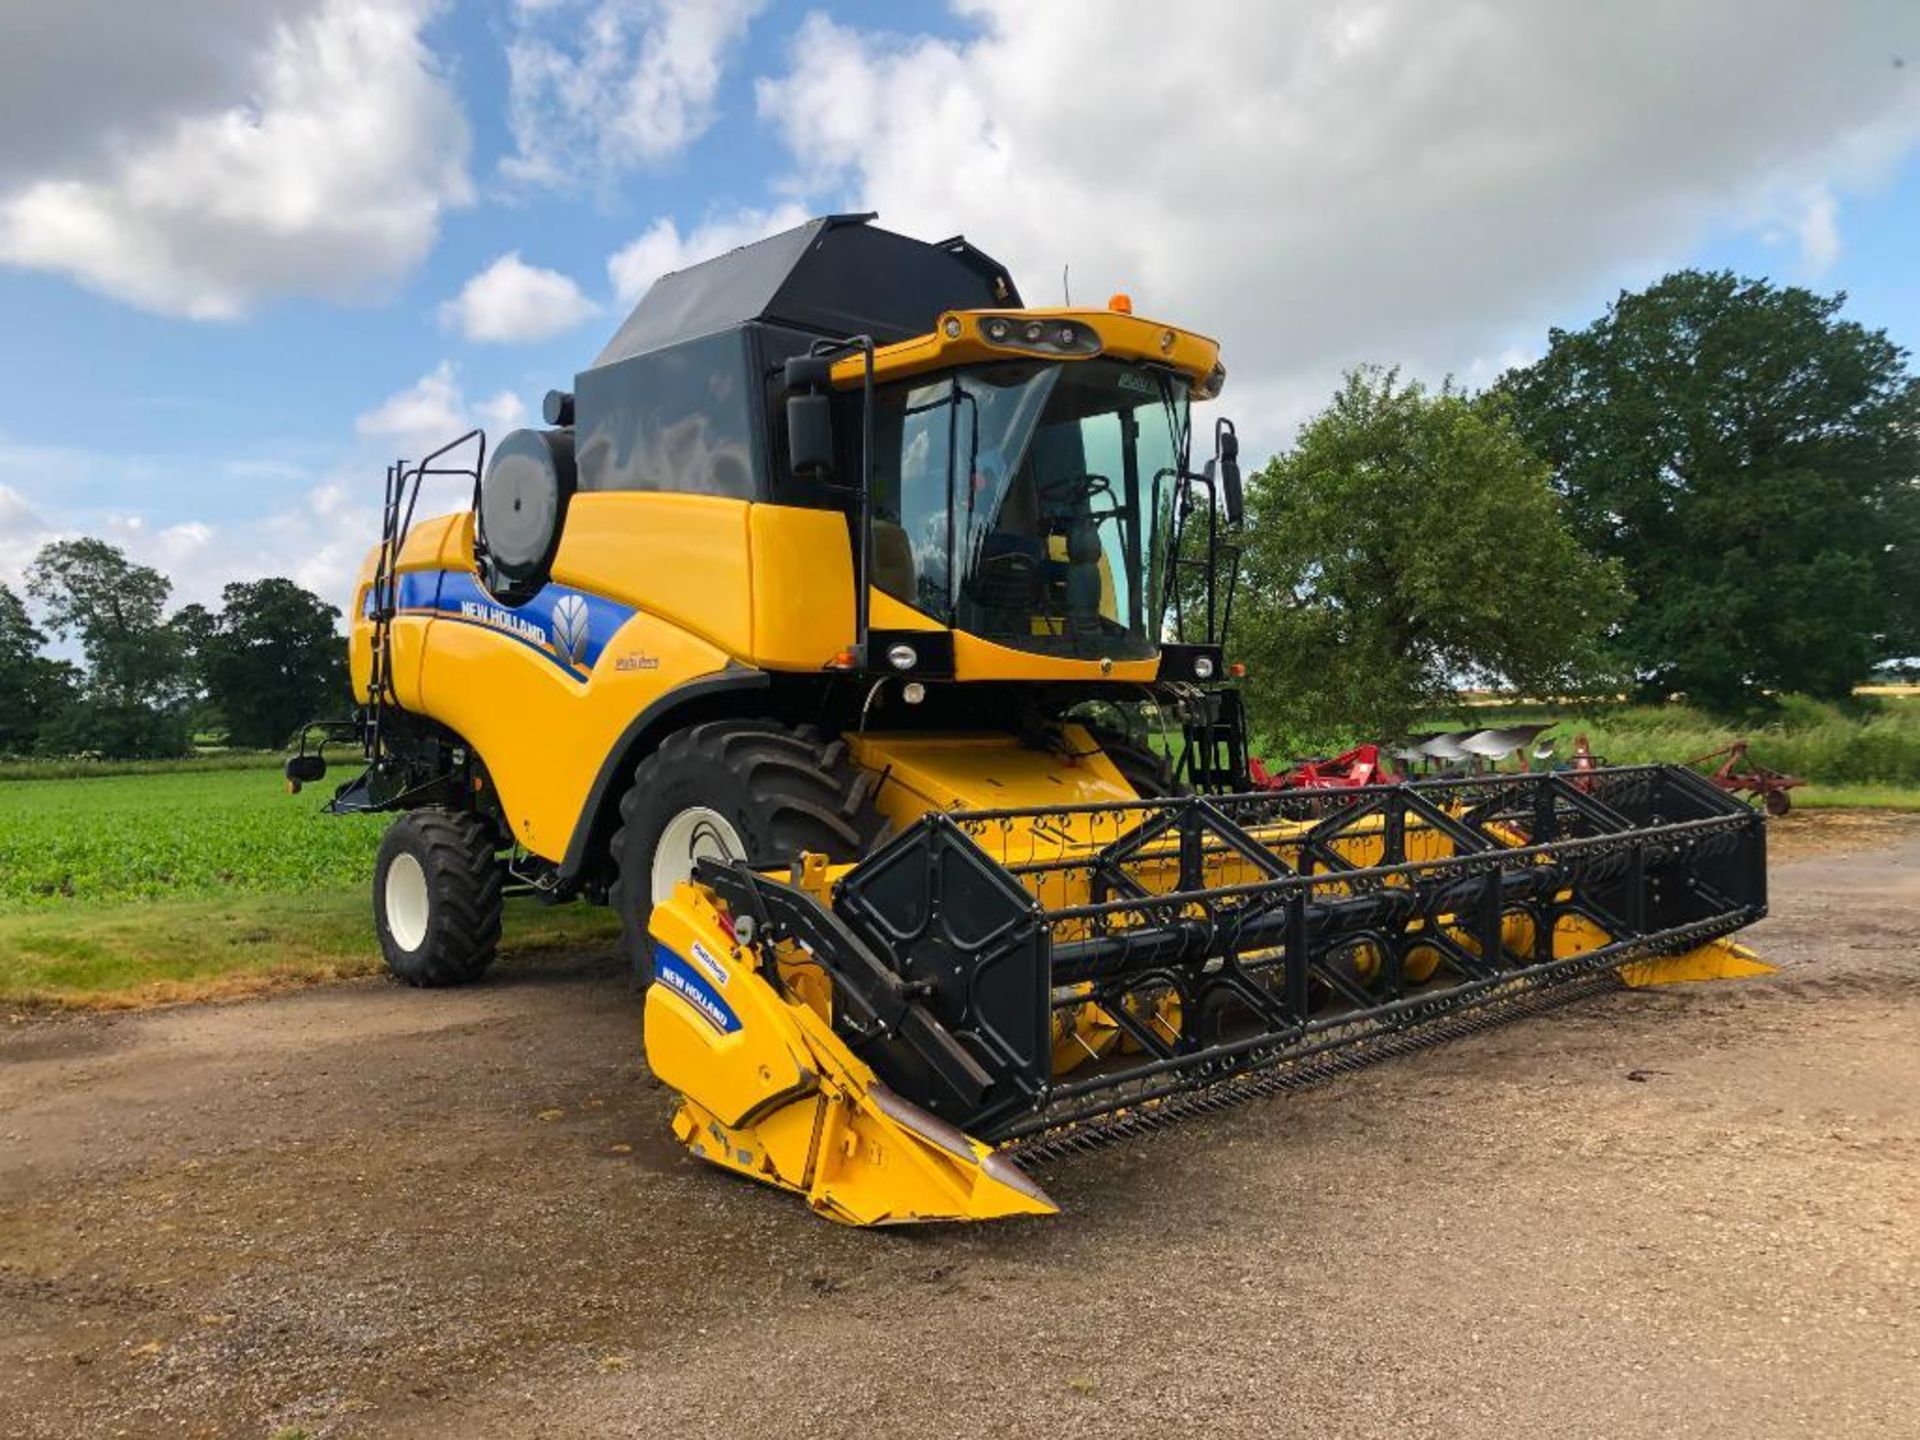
(367, 1211)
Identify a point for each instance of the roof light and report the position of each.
(1121, 304)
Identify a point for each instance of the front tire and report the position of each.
(753, 790)
(436, 897)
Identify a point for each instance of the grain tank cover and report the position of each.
(835, 276)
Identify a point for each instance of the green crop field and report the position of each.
(135, 883)
(192, 833)
(191, 881)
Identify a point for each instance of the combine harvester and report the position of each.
(814, 635)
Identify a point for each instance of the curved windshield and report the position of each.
(1030, 502)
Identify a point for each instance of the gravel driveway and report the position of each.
(362, 1210)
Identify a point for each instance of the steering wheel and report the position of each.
(1063, 491)
(1007, 581)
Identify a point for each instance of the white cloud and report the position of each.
(511, 302)
(1322, 185)
(434, 410)
(1819, 232)
(317, 163)
(22, 532)
(661, 248)
(598, 87)
(312, 523)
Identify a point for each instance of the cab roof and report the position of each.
(838, 275)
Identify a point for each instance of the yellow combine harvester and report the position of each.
(833, 632)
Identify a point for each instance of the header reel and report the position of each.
(1035, 979)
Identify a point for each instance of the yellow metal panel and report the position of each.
(1123, 337)
(543, 734)
(1716, 960)
(682, 558)
(802, 586)
(435, 543)
(739, 1072)
(983, 771)
(884, 612)
(768, 1090)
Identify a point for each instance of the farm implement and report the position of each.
(1738, 775)
(1009, 984)
(820, 633)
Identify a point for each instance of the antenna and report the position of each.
(1066, 290)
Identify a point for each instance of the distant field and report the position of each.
(183, 832)
(102, 769)
(193, 881)
(1872, 747)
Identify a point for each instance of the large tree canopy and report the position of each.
(33, 688)
(1750, 458)
(1408, 544)
(272, 660)
(90, 589)
(267, 661)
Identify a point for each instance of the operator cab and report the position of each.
(1031, 502)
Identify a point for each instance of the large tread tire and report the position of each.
(436, 897)
(783, 790)
(1148, 771)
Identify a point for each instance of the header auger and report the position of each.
(837, 632)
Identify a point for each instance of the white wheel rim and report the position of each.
(406, 901)
(696, 833)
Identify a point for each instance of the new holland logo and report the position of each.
(570, 627)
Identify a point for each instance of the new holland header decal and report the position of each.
(569, 627)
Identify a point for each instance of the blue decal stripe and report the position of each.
(448, 594)
(671, 969)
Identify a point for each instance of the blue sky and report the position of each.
(230, 284)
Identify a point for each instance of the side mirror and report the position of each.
(809, 414)
(1226, 466)
(809, 434)
(304, 770)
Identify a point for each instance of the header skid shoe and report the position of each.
(1006, 984)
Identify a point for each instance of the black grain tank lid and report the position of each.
(836, 276)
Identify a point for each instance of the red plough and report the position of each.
(1358, 766)
(1738, 775)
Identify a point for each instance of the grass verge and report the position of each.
(160, 952)
(206, 761)
(1857, 797)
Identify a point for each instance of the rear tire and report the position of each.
(436, 897)
(751, 789)
(1148, 771)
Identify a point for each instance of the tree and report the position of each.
(1750, 459)
(35, 688)
(272, 660)
(134, 686)
(1408, 544)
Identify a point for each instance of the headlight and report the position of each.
(1203, 667)
(1036, 337)
(903, 657)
